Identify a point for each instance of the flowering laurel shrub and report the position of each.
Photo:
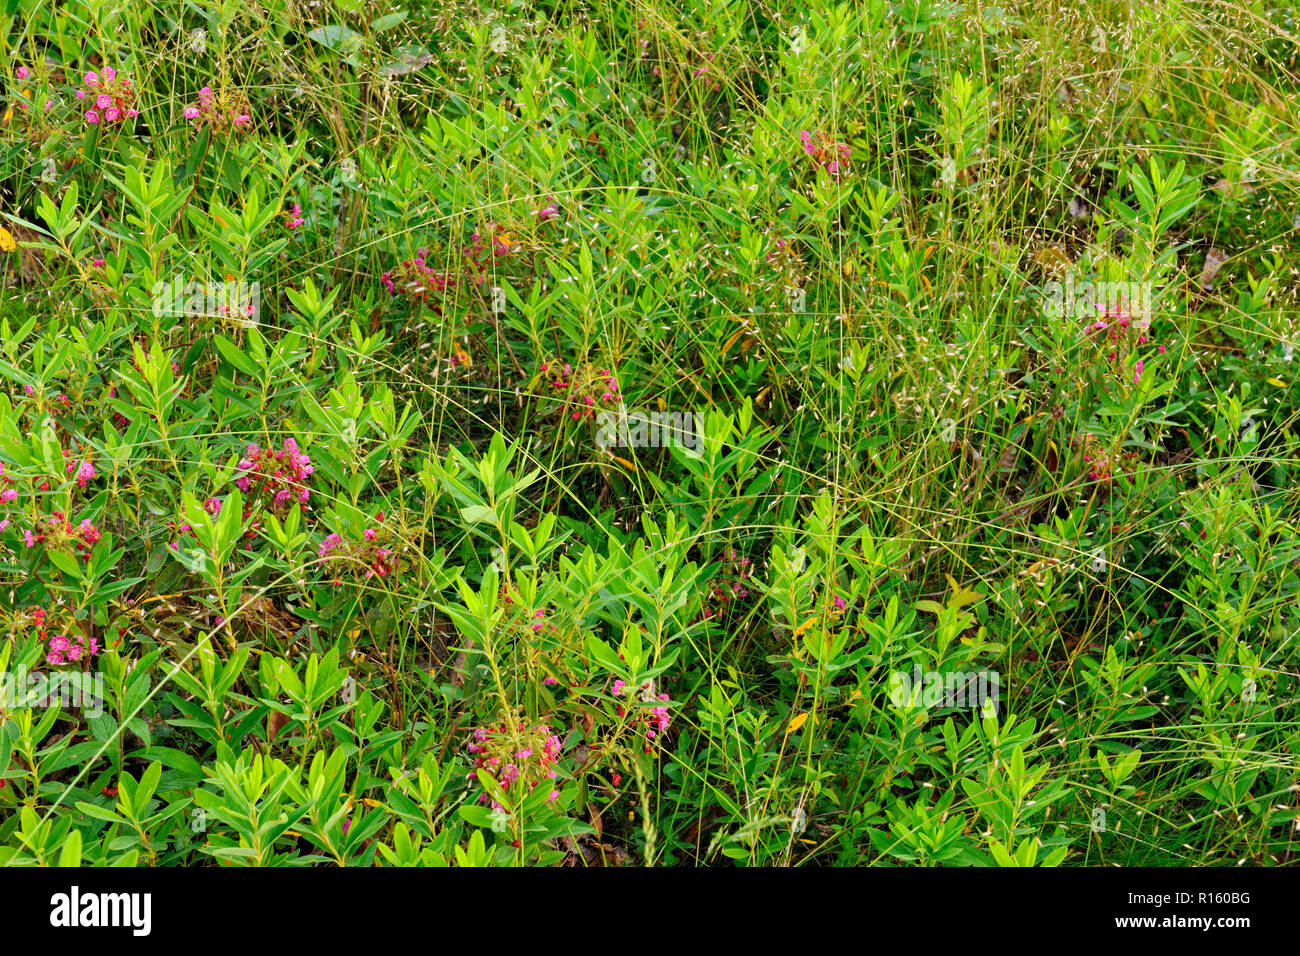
(60, 534)
(485, 248)
(71, 649)
(294, 220)
(225, 111)
(649, 723)
(1104, 465)
(1117, 334)
(35, 122)
(519, 757)
(109, 98)
(731, 583)
(61, 648)
(583, 390)
(83, 471)
(275, 479)
(825, 152)
(467, 547)
(416, 279)
(371, 557)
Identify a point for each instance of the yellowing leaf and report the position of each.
(1276, 381)
(798, 631)
(731, 341)
(797, 721)
(961, 596)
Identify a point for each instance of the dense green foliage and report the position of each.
(312, 321)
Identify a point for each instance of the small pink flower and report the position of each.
(85, 472)
(21, 72)
(91, 79)
(103, 101)
(111, 115)
(191, 112)
(8, 494)
(109, 74)
(81, 94)
(92, 117)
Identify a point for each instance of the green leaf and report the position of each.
(388, 22)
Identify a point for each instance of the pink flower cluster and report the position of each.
(368, 558)
(84, 470)
(70, 649)
(62, 648)
(519, 757)
(59, 532)
(1103, 466)
(584, 389)
(485, 249)
(279, 477)
(416, 279)
(227, 110)
(111, 98)
(7, 495)
(1122, 335)
(825, 152)
(652, 721)
(731, 583)
(294, 219)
